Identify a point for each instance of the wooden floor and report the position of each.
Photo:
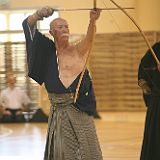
(120, 136)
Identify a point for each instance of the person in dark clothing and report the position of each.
(149, 81)
(71, 131)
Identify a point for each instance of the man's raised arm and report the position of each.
(39, 15)
(84, 45)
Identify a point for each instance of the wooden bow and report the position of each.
(87, 59)
(140, 30)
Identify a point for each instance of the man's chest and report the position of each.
(71, 63)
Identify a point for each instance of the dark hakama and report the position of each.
(71, 133)
(149, 73)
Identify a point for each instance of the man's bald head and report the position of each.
(57, 21)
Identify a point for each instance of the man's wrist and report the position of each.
(92, 21)
(37, 17)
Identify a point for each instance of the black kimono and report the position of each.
(149, 74)
(71, 132)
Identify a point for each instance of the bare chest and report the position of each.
(70, 65)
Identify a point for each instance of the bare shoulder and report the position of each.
(81, 48)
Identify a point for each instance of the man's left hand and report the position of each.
(95, 13)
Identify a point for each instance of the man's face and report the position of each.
(59, 29)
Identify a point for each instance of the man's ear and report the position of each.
(51, 32)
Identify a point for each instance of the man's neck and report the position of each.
(63, 45)
(11, 87)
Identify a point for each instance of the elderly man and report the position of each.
(71, 131)
(13, 100)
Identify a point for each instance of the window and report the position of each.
(3, 22)
(17, 37)
(3, 37)
(11, 25)
(15, 21)
(13, 50)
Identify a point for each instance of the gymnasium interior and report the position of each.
(113, 64)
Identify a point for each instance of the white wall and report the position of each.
(146, 13)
